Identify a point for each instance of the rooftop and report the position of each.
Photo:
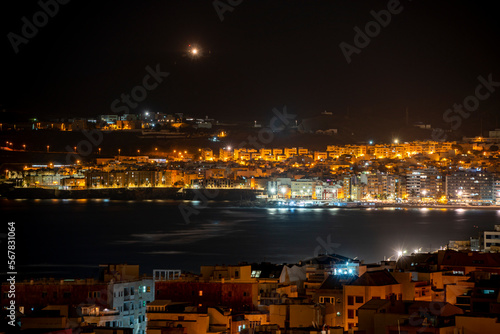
(375, 278)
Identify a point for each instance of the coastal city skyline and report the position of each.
(250, 167)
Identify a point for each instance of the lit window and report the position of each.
(200, 293)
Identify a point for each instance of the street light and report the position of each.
(48, 147)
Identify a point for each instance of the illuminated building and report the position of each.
(371, 285)
(303, 188)
(491, 240)
(424, 183)
(117, 299)
(473, 186)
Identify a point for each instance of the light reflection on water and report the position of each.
(154, 235)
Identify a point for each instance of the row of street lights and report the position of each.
(75, 148)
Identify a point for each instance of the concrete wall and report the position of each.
(238, 296)
(477, 325)
(277, 315)
(302, 315)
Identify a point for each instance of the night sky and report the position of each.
(264, 54)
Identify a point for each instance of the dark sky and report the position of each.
(264, 54)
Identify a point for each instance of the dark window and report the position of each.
(66, 294)
(375, 297)
(44, 294)
(350, 300)
(359, 299)
(350, 314)
(237, 273)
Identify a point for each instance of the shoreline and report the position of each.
(237, 197)
(231, 204)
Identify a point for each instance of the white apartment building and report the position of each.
(303, 188)
(491, 240)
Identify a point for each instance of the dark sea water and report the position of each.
(70, 238)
